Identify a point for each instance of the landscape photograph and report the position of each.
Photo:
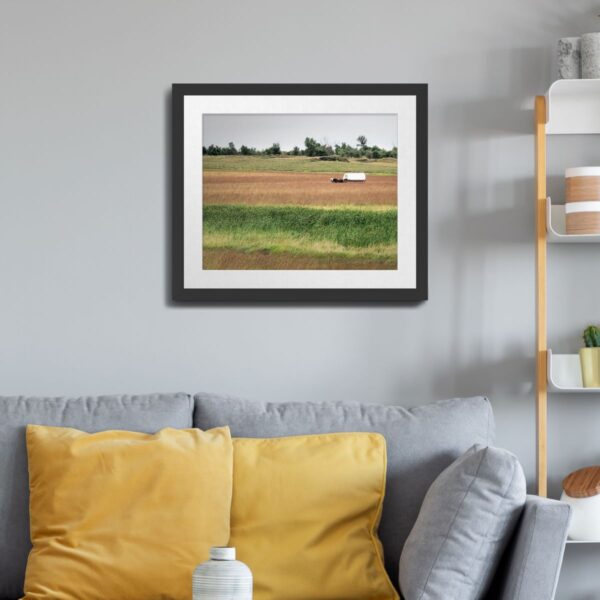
(299, 191)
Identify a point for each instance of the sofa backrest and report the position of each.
(134, 413)
(421, 443)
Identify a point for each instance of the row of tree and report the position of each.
(311, 148)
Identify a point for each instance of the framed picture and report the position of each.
(299, 193)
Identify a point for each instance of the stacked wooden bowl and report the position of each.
(581, 490)
(582, 209)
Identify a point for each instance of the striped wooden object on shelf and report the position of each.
(582, 209)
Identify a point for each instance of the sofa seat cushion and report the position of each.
(466, 521)
(124, 515)
(145, 413)
(421, 443)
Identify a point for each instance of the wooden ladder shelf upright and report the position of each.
(541, 298)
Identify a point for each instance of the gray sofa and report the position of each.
(421, 443)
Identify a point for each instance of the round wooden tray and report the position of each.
(583, 483)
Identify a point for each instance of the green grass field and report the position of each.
(346, 226)
(298, 164)
(339, 232)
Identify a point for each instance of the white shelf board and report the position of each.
(564, 374)
(583, 542)
(573, 106)
(557, 229)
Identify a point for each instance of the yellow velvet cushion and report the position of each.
(124, 516)
(305, 513)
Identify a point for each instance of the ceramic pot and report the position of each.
(590, 55)
(590, 367)
(569, 58)
(585, 520)
(222, 577)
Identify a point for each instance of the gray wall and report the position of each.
(84, 195)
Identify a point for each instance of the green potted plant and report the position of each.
(590, 357)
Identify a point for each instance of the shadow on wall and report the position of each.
(510, 376)
(483, 223)
(512, 79)
(478, 236)
(491, 224)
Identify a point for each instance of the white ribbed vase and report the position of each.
(222, 577)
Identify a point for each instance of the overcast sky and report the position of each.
(260, 131)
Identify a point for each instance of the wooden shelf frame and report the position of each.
(541, 334)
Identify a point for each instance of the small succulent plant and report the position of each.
(591, 337)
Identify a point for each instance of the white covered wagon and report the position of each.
(350, 177)
(355, 177)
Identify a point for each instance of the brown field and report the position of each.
(234, 187)
(232, 259)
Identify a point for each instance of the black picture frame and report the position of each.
(339, 296)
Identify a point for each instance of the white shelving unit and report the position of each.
(568, 107)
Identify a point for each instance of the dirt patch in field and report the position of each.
(233, 260)
(223, 187)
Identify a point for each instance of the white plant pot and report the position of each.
(585, 521)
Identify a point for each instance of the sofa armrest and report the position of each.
(532, 562)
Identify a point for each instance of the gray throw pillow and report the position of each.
(466, 520)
